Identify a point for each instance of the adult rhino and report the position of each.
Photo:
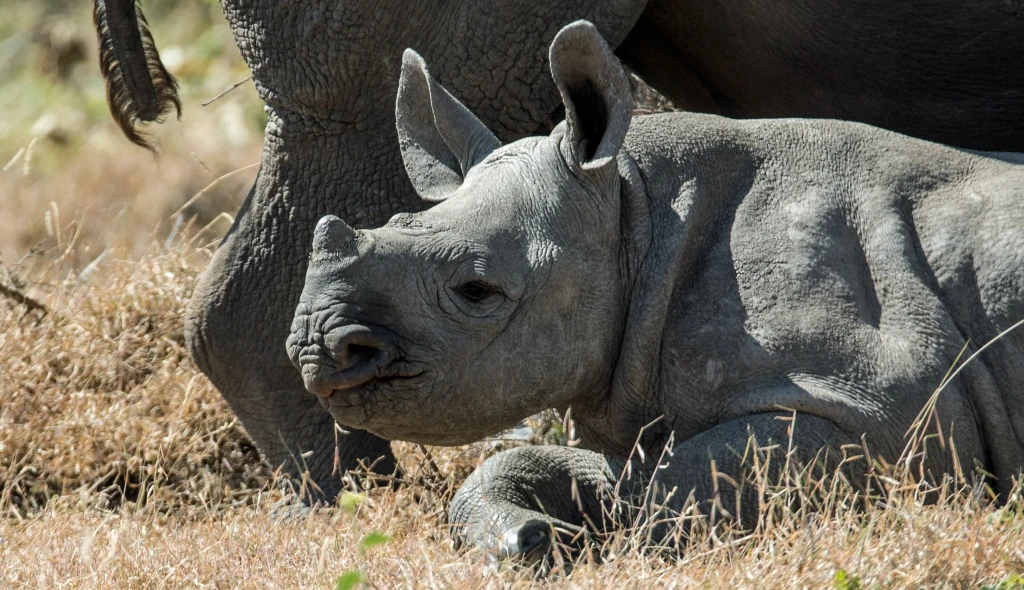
(946, 70)
(708, 278)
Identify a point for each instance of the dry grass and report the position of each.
(907, 546)
(120, 466)
(99, 399)
(171, 542)
(63, 162)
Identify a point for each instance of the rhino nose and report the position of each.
(353, 346)
(358, 353)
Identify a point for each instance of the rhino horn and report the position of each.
(333, 236)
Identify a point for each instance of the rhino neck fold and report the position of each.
(672, 214)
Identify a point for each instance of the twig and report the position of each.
(235, 85)
(10, 164)
(28, 301)
(210, 187)
(430, 459)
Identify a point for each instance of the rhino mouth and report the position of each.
(353, 367)
(351, 386)
(362, 395)
(342, 358)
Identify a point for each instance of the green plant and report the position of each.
(845, 581)
(1012, 582)
(351, 578)
(348, 579)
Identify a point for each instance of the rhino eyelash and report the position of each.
(477, 291)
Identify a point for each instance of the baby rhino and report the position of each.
(673, 279)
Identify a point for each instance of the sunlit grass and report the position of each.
(62, 159)
(121, 466)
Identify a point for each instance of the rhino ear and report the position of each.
(440, 138)
(596, 93)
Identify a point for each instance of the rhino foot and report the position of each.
(545, 544)
(530, 541)
(530, 505)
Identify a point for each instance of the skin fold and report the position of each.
(944, 70)
(683, 280)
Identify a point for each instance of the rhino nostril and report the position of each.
(357, 354)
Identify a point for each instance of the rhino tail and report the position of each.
(139, 87)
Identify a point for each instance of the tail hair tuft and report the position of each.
(139, 87)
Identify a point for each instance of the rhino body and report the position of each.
(686, 277)
(946, 70)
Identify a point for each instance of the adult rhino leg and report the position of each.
(287, 423)
(241, 311)
(513, 503)
(303, 438)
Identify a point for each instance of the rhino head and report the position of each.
(507, 296)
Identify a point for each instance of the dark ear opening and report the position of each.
(592, 113)
(596, 93)
(439, 137)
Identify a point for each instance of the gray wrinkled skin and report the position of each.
(718, 274)
(329, 71)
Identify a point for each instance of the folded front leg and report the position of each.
(722, 472)
(516, 499)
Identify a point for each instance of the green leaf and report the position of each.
(1014, 582)
(845, 581)
(349, 501)
(349, 580)
(372, 539)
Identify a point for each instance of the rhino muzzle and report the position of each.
(344, 358)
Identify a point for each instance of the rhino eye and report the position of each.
(476, 291)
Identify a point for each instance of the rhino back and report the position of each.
(834, 269)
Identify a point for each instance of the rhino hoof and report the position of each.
(529, 542)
